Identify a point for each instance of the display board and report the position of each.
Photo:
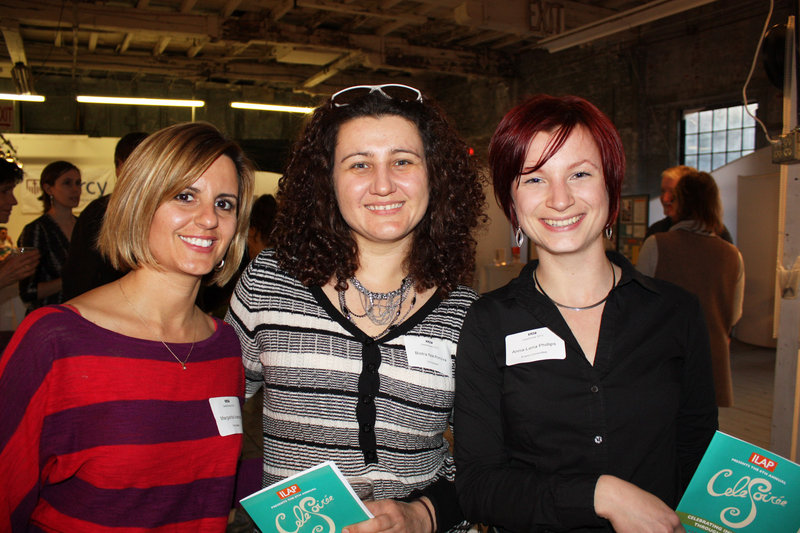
(632, 225)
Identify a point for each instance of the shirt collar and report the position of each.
(629, 272)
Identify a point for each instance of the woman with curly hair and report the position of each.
(351, 322)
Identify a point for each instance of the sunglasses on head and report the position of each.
(392, 91)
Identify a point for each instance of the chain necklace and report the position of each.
(613, 284)
(389, 315)
(144, 322)
(381, 308)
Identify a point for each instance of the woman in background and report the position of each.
(60, 183)
(584, 398)
(351, 323)
(116, 405)
(693, 255)
(16, 265)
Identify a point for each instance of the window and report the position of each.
(715, 137)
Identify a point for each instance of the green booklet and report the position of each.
(741, 487)
(317, 500)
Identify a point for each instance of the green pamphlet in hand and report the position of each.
(317, 500)
(739, 487)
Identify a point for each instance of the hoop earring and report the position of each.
(609, 232)
(219, 266)
(519, 237)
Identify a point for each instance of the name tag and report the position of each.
(227, 413)
(534, 345)
(432, 354)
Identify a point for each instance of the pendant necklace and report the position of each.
(613, 284)
(144, 322)
(382, 308)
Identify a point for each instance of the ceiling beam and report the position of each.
(626, 20)
(113, 18)
(230, 7)
(334, 68)
(325, 5)
(161, 45)
(13, 39)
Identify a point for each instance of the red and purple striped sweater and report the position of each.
(104, 432)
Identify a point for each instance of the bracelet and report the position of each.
(430, 515)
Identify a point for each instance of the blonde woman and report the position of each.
(117, 406)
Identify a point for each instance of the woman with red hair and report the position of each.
(584, 397)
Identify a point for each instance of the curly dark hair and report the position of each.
(314, 243)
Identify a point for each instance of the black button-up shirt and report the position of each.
(531, 439)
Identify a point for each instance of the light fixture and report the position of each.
(272, 107)
(626, 20)
(22, 97)
(139, 101)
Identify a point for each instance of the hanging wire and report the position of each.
(750, 74)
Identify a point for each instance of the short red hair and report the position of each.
(557, 116)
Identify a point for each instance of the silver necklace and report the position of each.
(381, 308)
(144, 322)
(395, 317)
(613, 284)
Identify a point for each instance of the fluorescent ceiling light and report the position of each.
(22, 97)
(139, 101)
(626, 20)
(272, 107)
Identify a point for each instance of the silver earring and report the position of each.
(219, 266)
(609, 232)
(519, 237)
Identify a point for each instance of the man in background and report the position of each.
(86, 268)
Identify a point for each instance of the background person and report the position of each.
(86, 268)
(693, 255)
(669, 179)
(351, 323)
(20, 266)
(14, 266)
(114, 405)
(584, 397)
(60, 183)
(262, 220)
(214, 299)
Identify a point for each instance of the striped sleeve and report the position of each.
(244, 320)
(24, 371)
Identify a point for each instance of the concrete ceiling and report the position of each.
(308, 46)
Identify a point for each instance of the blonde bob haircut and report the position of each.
(163, 165)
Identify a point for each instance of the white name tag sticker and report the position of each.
(228, 414)
(534, 345)
(432, 354)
